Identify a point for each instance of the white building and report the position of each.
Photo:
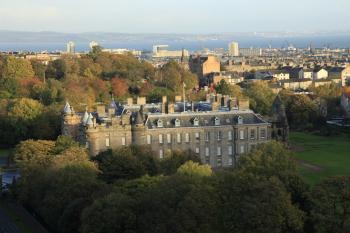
(160, 51)
(250, 52)
(233, 49)
(70, 47)
(93, 44)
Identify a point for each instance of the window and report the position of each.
(241, 134)
(168, 138)
(219, 162)
(149, 139)
(230, 161)
(219, 135)
(197, 136)
(107, 142)
(187, 137)
(262, 133)
(123, 141)
(197, 150)
(229, 135)
(219, 150)
(87, 145)
(196, 122)
(161, 154)
(178, 138)
(177, 123)
(252, 134)
(227, 121)
(160, 138)
(207, 151)
(207, 136)
(241, 149)
(160, 123)
(217, 121)
(229, 150)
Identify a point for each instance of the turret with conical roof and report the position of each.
(70, 121)
(138, 127)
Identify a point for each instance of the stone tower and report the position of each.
(138, 128)
(279, 121)
(70, 122)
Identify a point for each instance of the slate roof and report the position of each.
(205, 119)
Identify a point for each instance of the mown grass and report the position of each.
(330, 156)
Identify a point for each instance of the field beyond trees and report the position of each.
(321, 157)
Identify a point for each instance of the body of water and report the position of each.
(244, 42)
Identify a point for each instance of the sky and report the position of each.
(174, 16)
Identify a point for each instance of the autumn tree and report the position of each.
(260, 96)
(17, 68)
(120, 87)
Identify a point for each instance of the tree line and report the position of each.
(129, 190)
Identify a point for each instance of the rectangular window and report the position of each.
(197, 150)
(219, 162)
(149, 139)
(168, 137)
(207, 151)
(219, 151)
(107, 142)
(161, 154)
(229, 135)
(123, 141)
(230, 161)
(252, 134)
(197, 136)
(187, 137)
(229, 150)
(219, 135)
(207, 136)
(87, 145)
(178, 138)
(160, 138)
(241, 149)
(262, 133)
(241, 134)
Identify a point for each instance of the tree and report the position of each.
(113, 213)
(178, 204)
(119, 87)
(16, 68)
(330, 206)
(39, 69)
(246, 205)
(172, 162)
(194, 169)
(228, 89)
(261, 97)
(119, 164)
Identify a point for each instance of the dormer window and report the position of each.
(240, 120)
(177, 123)
(196, 122)
(217, 121)
(159, 123)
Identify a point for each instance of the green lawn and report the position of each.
(321, 157)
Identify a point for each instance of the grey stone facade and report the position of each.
(218, 137)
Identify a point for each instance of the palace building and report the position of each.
(218, 130)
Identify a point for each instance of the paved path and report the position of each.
(6, 224)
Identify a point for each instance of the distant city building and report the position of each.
(93, 44)
(250, 52)
(70, 47)
(123, 51)
(203, 65)
(233, 49)
(161, 51)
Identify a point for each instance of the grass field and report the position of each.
(321, 157)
